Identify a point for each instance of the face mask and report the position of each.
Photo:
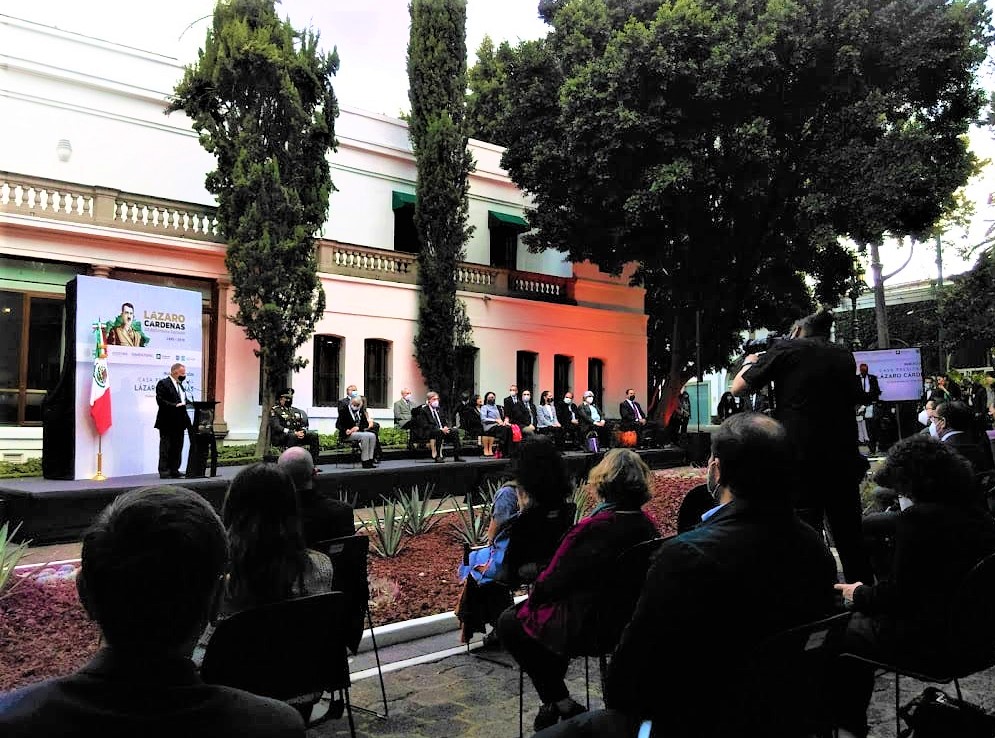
(356, 408)
(354, 393)
(568, 400)
(904, 502)
(932, 430)
(589, 400)
(526, 398)
(923, 418)
(434, 403)
(406, 397)
(181, 377)
(632, 398)
(490, 400)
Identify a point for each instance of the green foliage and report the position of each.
(471, 521)
(487, 102)
(391, 437)
(967, 308)
(10, 556)
(419, 514)
(726, 147)
(15, 470)
(386, 530)
(261, 98)
(438, 131)
(909, 324)
(582, 499)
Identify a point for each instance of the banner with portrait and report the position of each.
(146, 329)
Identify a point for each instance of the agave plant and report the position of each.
(419, 515)
(10, 556)
(582, 499)
(386, 531)
(471, 522)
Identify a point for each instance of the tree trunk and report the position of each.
(262, 442)
(880, 315)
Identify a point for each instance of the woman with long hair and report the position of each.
(496, 425)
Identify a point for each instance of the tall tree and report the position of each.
(487, 103)
(728, 145)
(261, 97)
(437, 127)
(967, 308)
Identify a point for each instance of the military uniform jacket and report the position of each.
(286, 420)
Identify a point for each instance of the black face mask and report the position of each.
(490, 401)
(632, 398)
(181, 377)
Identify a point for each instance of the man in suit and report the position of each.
(352, 393)
(755, 402)
(511, 401)
(322, 517)
(353, 426)
(869, 393)
(698, 610)
(172, 421)
(288, 426)
(523, 413)
(633, 418)
(152, 576)
(954, 422)
(438, 430)
(402, 410)
(566, 413)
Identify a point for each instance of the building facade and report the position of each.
(96, 180)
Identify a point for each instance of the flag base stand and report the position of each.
(99, 476)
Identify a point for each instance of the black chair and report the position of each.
(968, 646)
(535, 536)
(293, 650)
(355, 454)
(788, 680)
(349, 563)
(696, 503)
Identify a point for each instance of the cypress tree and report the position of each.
(261, 98)
(437, 127)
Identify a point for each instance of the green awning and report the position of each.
(400, 199)
(494, 218)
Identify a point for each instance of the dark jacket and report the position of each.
(522, 415)
(345, 421)
(627, 414)
(711, 595)
(873, 393)
(585, 418)
(509, 403)
(975, 450)
(169, 417)
(324, 517)
(563, 413)
(112, 698)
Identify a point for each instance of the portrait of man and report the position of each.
(123, 331)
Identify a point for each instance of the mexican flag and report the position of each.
(100, 388)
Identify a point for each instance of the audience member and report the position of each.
(539, 485)
(938, 539)
(322, 517)
(566, 610)
(926, 418)
(955, 427)
(728, 406)
(712, 594)
(523, 413)
(591, 421)
(402, 410)
(814, 397)
(438, 430)
(353, 426)
(634, 418)
(496, 426)
(152, 571)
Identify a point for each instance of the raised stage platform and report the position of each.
(55, 511)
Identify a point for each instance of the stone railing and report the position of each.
(360, 261)
(47, 198)
(534, 286)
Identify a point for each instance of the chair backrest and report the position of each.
(349, 556)
(534, 537)
(972, 613)
(696, 503)
(283, 650)
(787, 679)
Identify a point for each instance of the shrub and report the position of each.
(386, 531)
(471, 523)
(582, 498)
(419, 517)
(29, 468)
(10, 556)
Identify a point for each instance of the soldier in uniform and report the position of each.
(288, 426)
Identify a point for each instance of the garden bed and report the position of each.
(44, 631)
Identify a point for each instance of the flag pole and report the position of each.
(99, 476)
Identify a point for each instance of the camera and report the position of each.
(760, 345)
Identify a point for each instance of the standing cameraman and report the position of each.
(814, 395)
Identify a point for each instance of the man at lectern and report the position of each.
(171, 420)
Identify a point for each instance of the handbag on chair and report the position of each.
(592, 443)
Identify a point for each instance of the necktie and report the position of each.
(355, 416)
(865, 384)
(635, 410)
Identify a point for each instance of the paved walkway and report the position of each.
(465, 696)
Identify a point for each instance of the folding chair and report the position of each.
(349, 563)
(355, 455)
(292, 650)
(969, 643)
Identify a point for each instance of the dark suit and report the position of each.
(172, 422)
(112, 698)
(432, 423)
(587, 425)
(323, 517)
(978, 452)
(868, 396)
(631, 413)
(755, 402)
(699, 613)
(523, 415)
(509, 403)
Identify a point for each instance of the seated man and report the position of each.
(523, 414)
(633, 418)
(955, 427)
(698, 618)
(566, 412)
(352, 393)
(591, 420)
(402, 410)
(322, 517)
(352, 426)
(511, 400)
(153, 568)
(288, 426)
(437, 429)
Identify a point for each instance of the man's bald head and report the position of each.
(297, 462)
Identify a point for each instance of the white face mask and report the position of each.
(932, 430)
(904, 502)
(923, 418)
(434, 403)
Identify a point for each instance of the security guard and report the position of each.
(288, 426)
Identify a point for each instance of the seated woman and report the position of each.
(269, 561)
(469, 417)
(496, 426)
(938, 539)
(728, 406)
(592, 422)
(548, 423)
(540, 484)
(567, 610)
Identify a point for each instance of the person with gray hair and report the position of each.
(152, 575)
(591, 420)
(322, 517)
(438, 429)
(352, 425)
